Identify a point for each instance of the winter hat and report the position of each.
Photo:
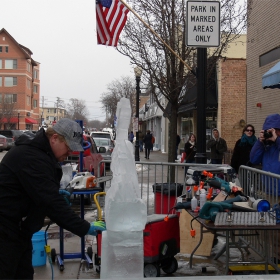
(72, 133)
(272, 121)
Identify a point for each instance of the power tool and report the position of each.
(228, 187)
(210, 209)
(86, 181)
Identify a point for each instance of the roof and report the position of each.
(27, 52)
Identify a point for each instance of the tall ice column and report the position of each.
(126, 213)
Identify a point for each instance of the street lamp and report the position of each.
(138, 73)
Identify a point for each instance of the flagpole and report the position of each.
(158, 36)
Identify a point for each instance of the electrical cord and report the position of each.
(48, 248)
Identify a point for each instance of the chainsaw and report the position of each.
(86, 181)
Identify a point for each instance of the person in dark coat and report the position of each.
(148, 144)
(242, 148)
(30, 176)
(218, 147)
(190, 150)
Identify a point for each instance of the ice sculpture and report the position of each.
(125, 212)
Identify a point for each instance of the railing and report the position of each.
(262, 185)
(160, 194)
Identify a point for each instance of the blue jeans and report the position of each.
(141, 145)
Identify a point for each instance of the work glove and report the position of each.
(95, 226)
(64, 192)
(66, 196)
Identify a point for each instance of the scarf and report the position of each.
(247, 140)
(192, 143)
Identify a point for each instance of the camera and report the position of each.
(267, 134)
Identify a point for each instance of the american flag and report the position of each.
(111, 16)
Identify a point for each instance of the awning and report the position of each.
(271, 79)
(9, 120)
(29, 120)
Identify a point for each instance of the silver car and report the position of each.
(108, 144)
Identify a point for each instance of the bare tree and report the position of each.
(163, 72)
(124, 87)
(8, 111)
(77, 110)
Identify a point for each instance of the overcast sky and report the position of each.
(62, 36)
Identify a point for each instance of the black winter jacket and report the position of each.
(241, 155)
(29, 190)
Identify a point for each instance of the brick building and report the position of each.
(226, 101)
(263, 50)
(19, 85)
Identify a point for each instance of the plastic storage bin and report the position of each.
(165, 196)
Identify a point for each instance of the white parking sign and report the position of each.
(203, 24)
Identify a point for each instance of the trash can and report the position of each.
(165, 196)
(39, 256)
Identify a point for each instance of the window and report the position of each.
(35, 74)
(0, 98)
(28, 83)
(10, 98)
(10, 64)
(35, 89)
(28, 67)
(28, 100)
(10, 81)
(7, 49)
(0, 81)
(54, 110)
(1, 49)
(0, 63)
(34, 103)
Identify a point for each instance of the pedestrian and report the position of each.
(242, 148)
(190, 150)
(30, 176)
(266, 150)
(148, 144)
(153, 141)
(218, 147)
(178, 140)
(131, 136)
(140, 135)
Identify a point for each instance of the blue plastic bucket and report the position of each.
(39, 256)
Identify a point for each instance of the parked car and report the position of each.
(91, 158)
(10, 142)
(102, 134)
(3, 143)
(108, 145)
(14, 134)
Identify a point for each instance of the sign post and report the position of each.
(203, 31)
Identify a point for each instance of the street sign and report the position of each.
(203, 24)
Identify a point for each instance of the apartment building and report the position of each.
(50, 115)
(19, 85)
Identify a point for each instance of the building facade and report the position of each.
(19, 85)
(50, 115)
(263, 50)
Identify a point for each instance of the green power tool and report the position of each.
(210, 209)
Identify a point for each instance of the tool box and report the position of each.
(161, 244)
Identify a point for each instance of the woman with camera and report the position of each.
(266, 150)
(190, 150)
(243, 146)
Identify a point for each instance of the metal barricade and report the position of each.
(261, 185)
